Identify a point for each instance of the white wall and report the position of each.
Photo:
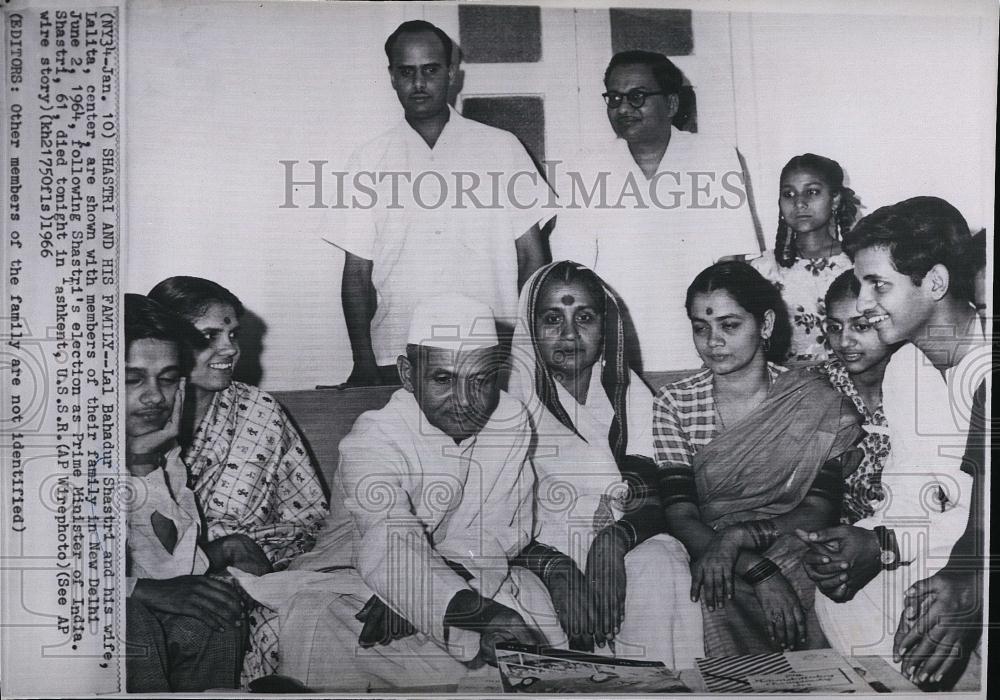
(907, 105)
(219, 93)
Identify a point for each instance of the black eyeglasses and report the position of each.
(636, 98)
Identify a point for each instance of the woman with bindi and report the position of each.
(616, 581)
(748, 451)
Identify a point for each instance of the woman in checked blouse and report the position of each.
(747, 452)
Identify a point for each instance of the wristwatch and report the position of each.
(889, 555)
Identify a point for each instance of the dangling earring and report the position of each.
(767, 343)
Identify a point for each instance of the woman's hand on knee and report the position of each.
(783, 612)
(571, 598)
(606, 577)
(238, 551)
(712, 574)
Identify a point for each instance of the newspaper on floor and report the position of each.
(814, 671)
(527, 669)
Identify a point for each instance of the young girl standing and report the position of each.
(816, 210)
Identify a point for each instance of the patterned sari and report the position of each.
(252, 475)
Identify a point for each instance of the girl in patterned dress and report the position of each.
(816, 210)
(247, 464)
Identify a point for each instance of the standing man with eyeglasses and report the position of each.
(445, 205)
(652, 206)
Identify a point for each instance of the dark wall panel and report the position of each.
(500, 34)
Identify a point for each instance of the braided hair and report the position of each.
(829, 170)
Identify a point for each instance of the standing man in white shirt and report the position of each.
(445, 205)
(652, 206)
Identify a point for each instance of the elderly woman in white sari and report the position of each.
(614, 579)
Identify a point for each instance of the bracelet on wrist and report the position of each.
(551, 563)
(627, 530)
(763, 533)
(761, 571)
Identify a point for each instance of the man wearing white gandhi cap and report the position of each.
(437, 495)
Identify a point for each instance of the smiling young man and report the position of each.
(649, 203)
(437, 492)
(907, 581)
(455, 208)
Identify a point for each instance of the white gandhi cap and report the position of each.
(452, 323)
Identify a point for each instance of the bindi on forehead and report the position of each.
(226, 320)
(708, 311)
(568, 299)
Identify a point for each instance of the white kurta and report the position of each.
(447, 229)
(928, 417)
(175, 502)
(648, 247)
(413, 498)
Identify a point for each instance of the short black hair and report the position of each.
(753, 292)
(145, 319)
(668, 76)
(919, 233)
(190, 297)
(418, 25)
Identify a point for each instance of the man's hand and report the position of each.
(841, 560)
(939, 625)
(494, 621)
(712, 573)
(606, 577)
(506, 626)
(571, 598)
(159, 440)
(238, 551)
(382, 624)
(215, 602)
(783, 610)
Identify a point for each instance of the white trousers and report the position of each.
(661, 623)
(319, 641)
